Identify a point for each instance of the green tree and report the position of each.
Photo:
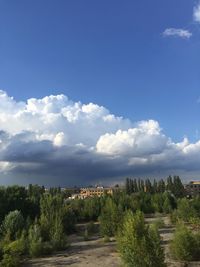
(128, 186)
(185, 210)
(185, 246)
(139, 245)
(52, 210)
(178, 188)
(109, 218)
(170, 185)
(35, 241)
(13, 224)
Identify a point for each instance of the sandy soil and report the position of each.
(82, 253)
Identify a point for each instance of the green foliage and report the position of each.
(185, 211)
(69, 220)
(35, 241)
(185, 245)
(15, 248)
(13, 224)
(10, 261)
(52, 213)
(158, 223)
(175, 186)
(52, 220)
(91, 209)
(139, 245)
(109, 219)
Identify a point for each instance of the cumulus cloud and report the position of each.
(196, 13)
(55, 141)
(181, 33)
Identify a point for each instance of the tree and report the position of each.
(52, 218)
(161, 186)
(178, 188)
(35, 240)
(138, 244)
(170, 186)
(109, 218)
(185, 210)
(13, 224)
(185, 244)
(127, 186)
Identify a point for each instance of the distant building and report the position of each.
(88, 192)
(193, 188)
(95, 191)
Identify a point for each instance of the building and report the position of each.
(87, 192)
(95, 191)
(193, 188)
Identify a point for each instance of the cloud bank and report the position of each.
(55, 141)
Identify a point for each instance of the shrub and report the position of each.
(13, 224)
(47, 248)
(36, 248)
(185, 245)
(138, 244)
(159, 223)
(35, 241)
(109, 219)
(10, 261)
(15, 248)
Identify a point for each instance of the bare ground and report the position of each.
(82, 253)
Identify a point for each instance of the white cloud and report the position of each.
(68, 141)
(185, 34)
(196, 13)
(146, 138)
(51, 115)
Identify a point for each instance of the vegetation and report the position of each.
(186, 244)
(36, 222)
(138, 244)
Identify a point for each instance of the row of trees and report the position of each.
(174, 185)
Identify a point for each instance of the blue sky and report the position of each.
(124, 55)
(107, 52)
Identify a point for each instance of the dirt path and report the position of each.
(82, 253)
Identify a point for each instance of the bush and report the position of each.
(10, 261)
(159, 223)
(47, 248)
(15, 248)
(36, 248)
(13, 224)
(57, 235)
(35, 241)
(109, 219)
(138, 244)
(185, 245)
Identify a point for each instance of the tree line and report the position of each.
(172, 184)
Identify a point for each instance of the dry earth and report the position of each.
(82, 253)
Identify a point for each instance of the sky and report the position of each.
(94, 91)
